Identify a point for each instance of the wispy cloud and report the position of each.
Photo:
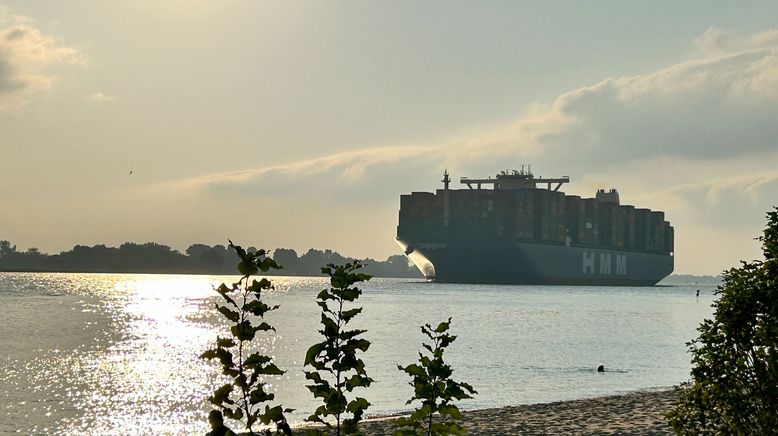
(100, 97)
(26, 54)
(716, 41)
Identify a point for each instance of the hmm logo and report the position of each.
(605, 263)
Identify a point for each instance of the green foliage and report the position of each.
(338, 370)
(734, 384)
(433, 386)
(242, 397)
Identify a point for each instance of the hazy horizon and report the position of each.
(299, 124)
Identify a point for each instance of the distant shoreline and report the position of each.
(202, 273)
(153, 258)
(672, 280)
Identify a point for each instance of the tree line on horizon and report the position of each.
(151, 257)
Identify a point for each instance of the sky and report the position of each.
(299, 124)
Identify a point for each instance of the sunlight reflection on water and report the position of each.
(118, 354)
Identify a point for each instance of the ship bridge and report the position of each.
(516, 179)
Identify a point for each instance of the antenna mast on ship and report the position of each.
(446, 180)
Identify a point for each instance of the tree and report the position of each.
(288, 258)
(335, 359)
(240, 398)
(734, 377)
(433, 386)
(6, 249)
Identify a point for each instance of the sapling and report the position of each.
(434, 388)
(241, 398)
(338, 370)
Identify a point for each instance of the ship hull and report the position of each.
(535, 263)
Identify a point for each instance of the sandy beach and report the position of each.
(637, 413)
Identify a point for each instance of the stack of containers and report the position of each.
(574, 218)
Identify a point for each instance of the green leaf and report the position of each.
(358, 380)
(350, 294)
(259, 286)
(414, 370)
(270, 369)
(313, 351)
(264, 327)
(256, 359)
(243, 331)
(313, 376)
(451, 411)
(442, 327)
(241, 252)
(325, 295)
(358, 404)
(321, 390)
(223, 290)
(356, 344)
(224, 342)
(260, 396)
(467, 387)
(221, 395)
(336, 403)
(257, 308)
(330, 326)
(225, 357)
(271, 414)
(347, 315)
(236, 414)
(229, 314)
(268, 263)
(344, 335)
(247, 269)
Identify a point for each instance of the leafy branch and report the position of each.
(335, 358)
(433, 386)
(241, 398)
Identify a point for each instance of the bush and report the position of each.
(734, 377)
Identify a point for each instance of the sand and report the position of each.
(637, 413)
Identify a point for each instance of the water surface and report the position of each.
(109, 354)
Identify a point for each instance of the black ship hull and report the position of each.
(535, 263)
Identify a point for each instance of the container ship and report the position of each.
(519, 229)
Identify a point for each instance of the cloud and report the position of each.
(715, 41)
(100, 97)
(337, 174)
(710, 108)
(26, 54)
(697, 139)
